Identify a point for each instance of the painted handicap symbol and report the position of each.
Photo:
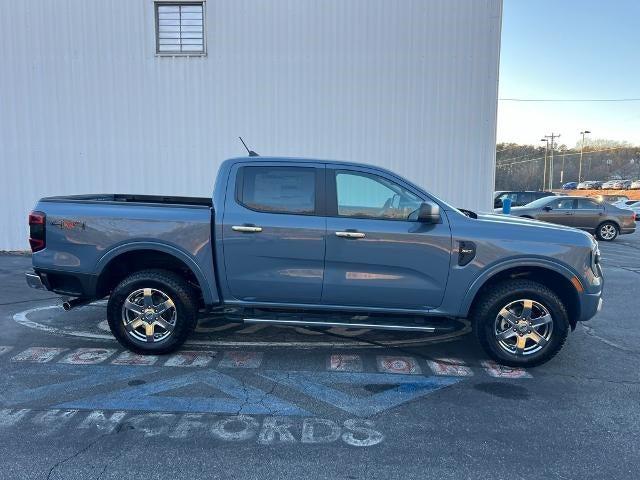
(238, 398)
(401, 388)
(80, 379)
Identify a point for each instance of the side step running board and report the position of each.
(377, 326)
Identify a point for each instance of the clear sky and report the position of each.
(569, 49)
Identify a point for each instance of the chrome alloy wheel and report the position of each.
(607, 231)
(523, 327)
(149, 315)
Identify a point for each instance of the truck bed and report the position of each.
(117, 198)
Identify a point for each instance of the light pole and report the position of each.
(544, 175)
(581, 151)
(551, 142)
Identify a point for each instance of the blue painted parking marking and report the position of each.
(404, 388)
(86, 377)
(245, 399)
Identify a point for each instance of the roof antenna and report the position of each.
(251, 152)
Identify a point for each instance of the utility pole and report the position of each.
(553, 136)
(581, 150)
(544, 174)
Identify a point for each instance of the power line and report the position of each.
(498, 165)
(569, 99)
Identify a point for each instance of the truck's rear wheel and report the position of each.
(520, 323)
(152, 311)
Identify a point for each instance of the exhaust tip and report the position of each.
(67, 306)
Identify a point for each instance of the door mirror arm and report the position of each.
(428, 212)
(547, 208)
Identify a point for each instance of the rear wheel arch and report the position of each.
(121, 262)
(559, 283)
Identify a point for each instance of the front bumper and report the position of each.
(591, 304)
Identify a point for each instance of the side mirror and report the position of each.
(547, 208)
(429, 213)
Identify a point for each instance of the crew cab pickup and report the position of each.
(321, 243)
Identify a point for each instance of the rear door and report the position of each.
(274, 232)
(588, 214)
(561, 211)
(376, 256)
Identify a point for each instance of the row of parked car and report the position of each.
(605, 216)
(599, 185)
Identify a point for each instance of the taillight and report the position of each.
(37, 238)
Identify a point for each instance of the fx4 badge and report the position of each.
(65, 224)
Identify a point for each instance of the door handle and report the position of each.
(350, 234)
(246, 229)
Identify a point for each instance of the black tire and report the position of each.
(606, 237)
(172, 285)
(492, 301)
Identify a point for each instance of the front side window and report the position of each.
(180, 28)
(561, 204)
(363, 195)
(279, 189)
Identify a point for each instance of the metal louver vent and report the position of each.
(180, 28)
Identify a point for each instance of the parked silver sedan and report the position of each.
(633, 205)
(602, 219)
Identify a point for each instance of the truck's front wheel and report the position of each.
(520, 323)
(152, 311)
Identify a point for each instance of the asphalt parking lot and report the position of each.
(273, 402)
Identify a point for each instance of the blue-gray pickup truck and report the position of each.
(314, 242)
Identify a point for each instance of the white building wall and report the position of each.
(86, 105)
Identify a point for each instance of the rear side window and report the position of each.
(278, 189)
(585, 204)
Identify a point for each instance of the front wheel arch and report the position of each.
(559, 283)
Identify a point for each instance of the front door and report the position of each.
(376, 256)
(273, 234)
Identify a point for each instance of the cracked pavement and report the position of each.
(576, 417)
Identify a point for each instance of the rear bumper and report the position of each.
(71, 284)
(624, 231)
(34, 281)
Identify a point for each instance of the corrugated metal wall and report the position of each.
(86, 106)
